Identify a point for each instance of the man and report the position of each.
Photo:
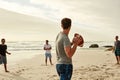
(65, 51)
(117, 49)
(48, 48)
(3, 51)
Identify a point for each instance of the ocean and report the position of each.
(21, 50)
(38, 45)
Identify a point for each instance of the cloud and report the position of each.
(91, 12)
(93, 16)
(28, 9)
(22, 2)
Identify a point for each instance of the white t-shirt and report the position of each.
(47, 46)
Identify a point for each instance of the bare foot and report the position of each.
(117, 63)
(6, 71)
(51, 64)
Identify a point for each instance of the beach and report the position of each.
(26, 24)
(89, 64)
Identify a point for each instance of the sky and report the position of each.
(95, 18)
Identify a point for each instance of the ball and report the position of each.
(76, 35)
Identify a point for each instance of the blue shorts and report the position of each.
(48, 55)
(3, 59)
(64, 71)
(117, 52)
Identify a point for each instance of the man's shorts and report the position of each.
(3, 59)
(117, 52)
(48, 55)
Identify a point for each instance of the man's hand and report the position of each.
(78, 39)
(8, 53)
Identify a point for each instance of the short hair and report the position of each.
(116, 37)
(66, 23)
(47, 41)
(2, 39)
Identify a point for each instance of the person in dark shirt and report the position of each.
(117, 49)
(3, 51)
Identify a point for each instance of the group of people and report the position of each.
(64, 51)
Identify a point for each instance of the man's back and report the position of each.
(62, 40)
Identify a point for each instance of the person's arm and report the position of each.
(70, 50)
(113, 48)
(47, 48)
(50, 47)
(8, 53)
(44, 48)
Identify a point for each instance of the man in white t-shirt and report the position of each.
(48, 48)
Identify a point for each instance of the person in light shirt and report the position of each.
(47, 48)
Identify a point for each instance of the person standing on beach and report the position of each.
(47, 48)
(65, 51)
(3, 51)
(117, 49)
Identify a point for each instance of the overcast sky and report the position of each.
(100, 17)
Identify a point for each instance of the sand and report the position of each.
(89, 64)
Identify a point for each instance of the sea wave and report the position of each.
(38, 45)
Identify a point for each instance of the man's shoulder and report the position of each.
(118, 41)
(5, 45)
(1, 46)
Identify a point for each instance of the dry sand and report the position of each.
(89, 64)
